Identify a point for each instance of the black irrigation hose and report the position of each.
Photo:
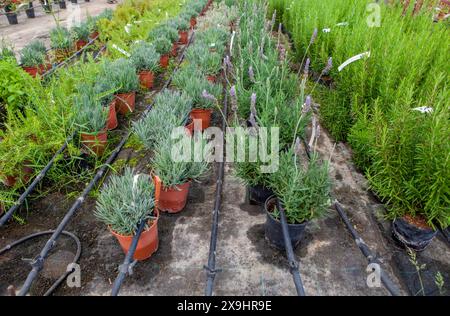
(38, 263)
(124, 269)
(293, 264)
(127, 264)
(371, 257)
(32, 236)
(211, 267)
(35, 182)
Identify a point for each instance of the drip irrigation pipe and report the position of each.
(211, 267)
(293, 264)
(128, 264)
(32, 236)
(125, 268)
(35, 182)
(371, 257)
(38, 262)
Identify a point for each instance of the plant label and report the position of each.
(353, 59)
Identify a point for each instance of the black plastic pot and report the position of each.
(259, 194)
(274, 231)
(74, 1)
(62, 4)
(12, 18)
(412, 236)
(30, 11)
(47, 8)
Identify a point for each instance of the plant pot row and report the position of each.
(168, 199)
(405, 230)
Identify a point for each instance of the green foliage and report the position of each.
(144, 57)
(162, 45)
(60, 38)
(30, 57)
(373, 100)
(166, 31)
(81, 32)
(125, 201)
(38, 46)
(6, 51)
(174, 172)
(170, 111)
(90, 115)
(302, 187)
(182, 23)
(121, 73)
(208, 62)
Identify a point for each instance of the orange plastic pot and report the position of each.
(148, 241)
(193, 22)
(95, 143)
(112, 116)
(80, 44)
(146, 78)
(173, 199)
(94, 35)
(164, 61)
(183, 37)
(204, 115)
(174, 50)
(32, 71)
(126, 102)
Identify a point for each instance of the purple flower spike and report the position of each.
(313, 37)
(253, 104)
(328, 67)
(208, 96)
(307, 63)
(251, 74)
(307, 105)
(234, 102)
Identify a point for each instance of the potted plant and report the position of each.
(30, 10)
(146, 61)
(208, 62)
(169, 112)
(302, 189)
(81, 34)
(10, 7)
(163, 47)
(32, 60)
(171, 33)
(90, 117)
(203, 93)
(175, 177)
(104, 92)
(183, 30)
(60, 42)
(40, 47)
(92, 25)
(191, 15)
(124, 202)
(62, 4)
(122, 75)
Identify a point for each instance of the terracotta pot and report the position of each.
(148, 241)
(44, 68)
(211, 78)
(32, 71)
(164, 61)
(112, 116)
(183, 37)
(11, 180)
(96, 143)
(174, 50)
(193, 22)
(126, 102)
(94, 34)
(173, 199)
(80, 44)
(146, 78)
(202, 114)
